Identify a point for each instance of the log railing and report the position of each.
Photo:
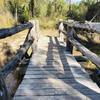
(68, 29)
(30, 41)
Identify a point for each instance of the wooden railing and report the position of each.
(30, 41)
(68, 29)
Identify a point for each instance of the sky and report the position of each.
(75, 1)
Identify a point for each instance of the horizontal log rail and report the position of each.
(31, 38)
(68, 30)
(88, 26)
(11, 31)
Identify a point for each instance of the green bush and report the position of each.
(77, 12)
(23, 14)
(93, 10)
(23, 17)
(20, 11)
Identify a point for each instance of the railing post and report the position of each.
(69, 46)
(61, 28)
(34, 34)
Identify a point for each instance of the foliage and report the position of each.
(93, 12)
(77, 12)
(23, 15)
(49, 9)
(85, 10)
(23, 10)
(19, 10)
(57, 8)
(38, 8)
(88, 3)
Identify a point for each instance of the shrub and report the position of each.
(93, 10)
(23, 15)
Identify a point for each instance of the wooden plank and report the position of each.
(84, 79)
(46, 76)
(49, 67)
(56, 97)
(52, 85)
(32, 72)
(45, 69)
(51, 92)
(36, 91)
(41, 81)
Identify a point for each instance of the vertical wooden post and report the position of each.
(34, 34)
(37, 28)
(61, 28)
(69, 46)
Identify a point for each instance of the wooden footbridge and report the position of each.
(53, 72)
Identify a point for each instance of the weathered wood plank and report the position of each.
(41, 81)
(52, 85)
(44, 76)
(84, 79)
(56, 97)
(52, 72)
(51, 92)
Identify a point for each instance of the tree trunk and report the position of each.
(16, 15)
(32, 4)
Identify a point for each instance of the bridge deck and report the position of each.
(53, 74)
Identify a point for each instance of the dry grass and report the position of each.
(49, 32)
(10, 45)
(6, 18)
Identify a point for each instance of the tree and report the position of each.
(19, 9)
(32, 7)
(13, 6)
(57, 8)
(93, 12)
